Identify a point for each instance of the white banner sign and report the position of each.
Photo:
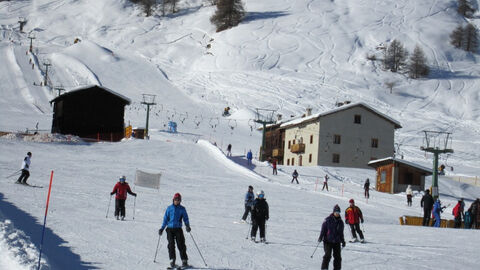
(149, 180)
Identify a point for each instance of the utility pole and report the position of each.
(436, 143)
(264, 120)
(31, 36)
(22, 21)
(45, 79)
(59, 89)
(148, 100)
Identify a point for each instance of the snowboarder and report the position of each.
(366, 187)
(295, 176)
(121, 189)
(427, 204)
(249, 157)
(229, 150)
(437, 209)
(172, 220)
(457, 213)
(249, 198)
(274, 166)
(353, 217)
(332, 236)
(409, 195)
(25, 169)
(325, 182)
(259, 216)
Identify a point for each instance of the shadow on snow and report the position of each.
(255, 16)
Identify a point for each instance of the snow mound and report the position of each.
(43, 137)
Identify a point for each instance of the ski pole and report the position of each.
(108, 206)
(248, 233)
(13, 174)
(156, 250)
(198, 249)
(134, 202)
(315, 250)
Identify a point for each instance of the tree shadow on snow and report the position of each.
(255, 16)
(54, 248)
(440, 74)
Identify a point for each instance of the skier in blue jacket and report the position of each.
(249, 157)
(249, 198)
(172, 220)
(332, 237)
(437, 209)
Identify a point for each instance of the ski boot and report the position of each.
(362, 240)
(262, 240)
(172, 263)
(184, 263)
(117, 217)
(354, 240)
(253, 239)
(123, 218)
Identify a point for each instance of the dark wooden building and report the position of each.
(92, 112)
(394, 175)
(274, 142)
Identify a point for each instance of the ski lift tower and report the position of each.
(148, 100)
(436, 142)
(264, 117)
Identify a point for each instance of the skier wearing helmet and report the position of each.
(120, 190)
(259, 216)
(172, 220)
(353, 216)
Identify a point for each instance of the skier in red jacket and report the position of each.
(458, 213)
(353, 216)
(121, 189)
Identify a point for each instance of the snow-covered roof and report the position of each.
(91, 86)
(342, 108)
(411, 164)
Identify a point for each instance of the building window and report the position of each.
(288, 162)
(293, 161)
(336, 139)
(311, 139)
(374, 143)
(357, 119)
(288, 144)
(310, 158)
(383, 177)
(336, 158)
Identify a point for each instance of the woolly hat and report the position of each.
(250, 187)
(29, 154)
(351, 201)
(177, 196)
(336, 208)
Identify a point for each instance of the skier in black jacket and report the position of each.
(427, 204)
(259, 216)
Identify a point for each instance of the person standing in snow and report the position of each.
(172, 221)
(121, 189)
(366, 187)
(294, 176)
(25, 169)
(332, 237)
(249, 198)
(325, 182)
(409, 195)
(274, 167)
(427, 204)
(474, 209)
(249, 157)
(437, 209)
(457, 213)
(229, 150)
(259, 216)
(353, 217)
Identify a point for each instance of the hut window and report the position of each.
(337, 139)
(374, 143)
(383, 177)
(310, 158)
(357, 119)
(311, 139)
(336, 158)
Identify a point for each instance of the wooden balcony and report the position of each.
(277, 152)
(297, 148)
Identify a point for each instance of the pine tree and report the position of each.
(229, 13)
(465, 8)
(417, 66)
(396, 56)
(456, 37)
(470, 38)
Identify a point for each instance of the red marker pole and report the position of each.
(45, 220)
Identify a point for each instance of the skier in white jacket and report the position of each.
(25, 169)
